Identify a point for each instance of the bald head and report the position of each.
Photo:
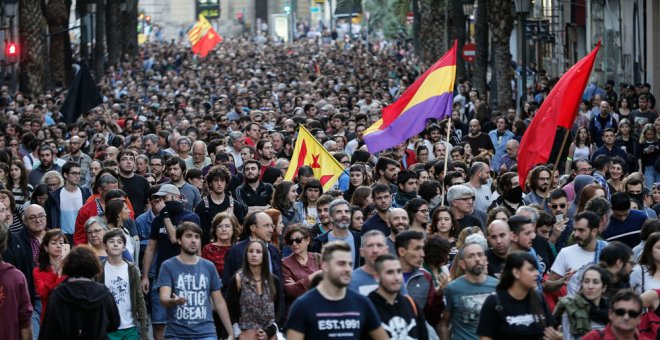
(499, 237)
(34, 218)
(398, 220)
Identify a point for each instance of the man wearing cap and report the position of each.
(163, 242)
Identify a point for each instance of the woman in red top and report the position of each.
(299, 268)
(48, 275)
(224, 234)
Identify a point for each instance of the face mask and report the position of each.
(174, 207)
(513, 195)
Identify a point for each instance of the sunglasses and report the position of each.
(631, 313)
(555, 206)
(296, 240)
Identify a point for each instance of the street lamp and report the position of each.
(522, 8)
(11, 7)
(468, 7)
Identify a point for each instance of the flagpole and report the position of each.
(561, 151)
(442, 203)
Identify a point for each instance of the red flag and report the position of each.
(207, 43)
(558, 109)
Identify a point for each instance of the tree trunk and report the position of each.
(502, 27)
(456, 28)
(129, 31)
(112, 33)
(32, 29)
(99, 36)
(57, 16)
(432, 30)
(481, 41)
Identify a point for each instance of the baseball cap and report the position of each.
(168, 189)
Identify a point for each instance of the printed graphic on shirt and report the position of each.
(119, 289)
(471, 307)
(398, 328)
(193, 287)
(338, 325)
(521, 320)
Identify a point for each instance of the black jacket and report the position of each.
(80, 310)
(19, 254)
(53, 206)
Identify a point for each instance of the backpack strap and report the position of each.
(412, 303)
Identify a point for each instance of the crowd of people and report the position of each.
(164, 212)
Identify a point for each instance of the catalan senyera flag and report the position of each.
(203, 37)
(430, 96)
(559, 109)
(308, 151)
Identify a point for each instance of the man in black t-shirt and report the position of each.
(135, 186)
(499, 240)
(331, 311)
(479, 142)
(401, 316)
(461, 200)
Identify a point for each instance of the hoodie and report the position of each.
(80, 310)
(15, 306)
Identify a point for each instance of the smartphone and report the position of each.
(559, 217)
(66, 249)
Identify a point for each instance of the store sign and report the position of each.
(209, 8)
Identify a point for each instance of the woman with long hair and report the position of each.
(646, 274)
(7, 199)
(648, 152)
(52, 250)
(117, 215)
(284, 196)
(418, 214)
(589, 192)
(17, 182)
(497, 213)
(299, 268)
(357, 219)
(623, 108)
(306, 206)
(224, 234)
(357, 177)
(581, 148)
(362, 197)
(590, 299)
(517, 298)
(39, 196)
(254, 295)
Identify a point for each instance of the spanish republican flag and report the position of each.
(203, 37)
(430, 96)
(308, 151)
(559, 109)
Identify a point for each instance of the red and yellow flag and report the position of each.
(308, 151)
(203, 37)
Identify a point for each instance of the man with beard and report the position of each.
(46, 157)
(163, 241)
(539, 182)
(585, 251)
(398, 222)
(499, 240)
(386, 172)
(479, 175)
(157, 166)
(340, 214)
(400, 315)
(330, 310)
(465, 295)
(364, 278)
(176, 168)
(479, 142)
(382, 197)
(76, 155)
(266, 155)
(217, 201)
(419, 282)
(325, 223)
(255, 194)
(510, 198)
(407, 182)
(510, 158)
(617, 259)
(187, 284)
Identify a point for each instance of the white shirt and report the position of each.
(116, 279)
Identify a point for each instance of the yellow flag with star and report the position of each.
(308, 151)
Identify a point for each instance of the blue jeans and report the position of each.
(36, 318)
(651, 176)
(158, 315)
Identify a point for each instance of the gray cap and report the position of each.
(168, 189)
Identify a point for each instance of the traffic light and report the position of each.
(11, 51)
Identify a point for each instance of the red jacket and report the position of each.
(606, 334)
(44, 283)
(88, 210)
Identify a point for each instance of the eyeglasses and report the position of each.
(465, 199)
(35, 218)
(98, 141)
(631, 313)
(555, 206)
(544, 179)
(296, 240)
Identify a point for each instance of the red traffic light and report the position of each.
(12, 49)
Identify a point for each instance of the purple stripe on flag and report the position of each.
(410, 122)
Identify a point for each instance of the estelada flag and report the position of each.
(203, 37)
(308, 151)
(430, 96)
(558, 109)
